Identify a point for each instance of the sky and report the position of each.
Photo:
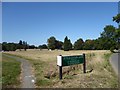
(35, 22)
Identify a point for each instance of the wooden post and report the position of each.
(84, 64)
(60, 68)
(60, 72)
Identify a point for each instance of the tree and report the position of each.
(107, 39)
(70, 45)
(32, 47)
(97, 44)
(67, 44)
(117, 36)
(12, 47)
(44, 46)
(0, 46)
(20, 45)
(109, 32)
(78, 45)
(89, 45)
(51, 43)
(58, 44)
(4, 46)
(9, 46)
(116, 18)
(24, 45)
(20, 42)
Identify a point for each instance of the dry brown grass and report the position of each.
(46, 55)
(46, 70)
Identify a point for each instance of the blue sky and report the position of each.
(36, 22)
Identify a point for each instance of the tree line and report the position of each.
(14, 46)
(109, 40)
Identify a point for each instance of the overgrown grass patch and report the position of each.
(113, 80)
(40, 69)
(106, 63)
(11, 70)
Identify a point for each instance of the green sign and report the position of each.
(72, 60)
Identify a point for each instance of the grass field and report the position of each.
(99, 71)
(11, 70)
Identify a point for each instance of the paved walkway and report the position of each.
(114, 60)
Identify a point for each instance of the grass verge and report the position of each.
(11, 70)
(113, 81)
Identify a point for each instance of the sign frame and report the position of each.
(60, 62)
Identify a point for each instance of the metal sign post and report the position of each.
(84, 64)
(60, 72)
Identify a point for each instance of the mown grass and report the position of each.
(11, 70)
(99, 71)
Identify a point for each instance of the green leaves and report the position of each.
(78, 45)
(54, 44)
(109, 31)
(116, 18)
(67, 44)
(51, 43)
